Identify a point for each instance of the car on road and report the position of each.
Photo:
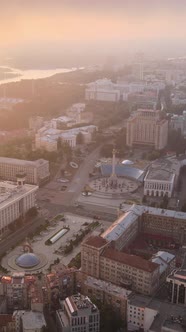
(63, 188)
(86, 193)
(96, 217)
(63, 180)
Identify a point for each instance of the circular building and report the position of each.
(27, 260)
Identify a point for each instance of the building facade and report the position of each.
(176, 282)
(15, 201)
(146, 128)
(103, 262)
(78, 314)
(37, 172)
(107, 293)
(159, 182)
(47, 138)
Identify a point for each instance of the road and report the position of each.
(81, 178)
(20, 234)
(52, 201)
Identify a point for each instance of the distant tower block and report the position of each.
(113, 177)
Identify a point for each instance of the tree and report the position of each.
(32, 212)
(79, 138)
(183, 209)
(106, 150)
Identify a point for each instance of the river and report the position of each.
(30, 74)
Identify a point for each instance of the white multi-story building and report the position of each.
(78, 314)
(15, 201)
(159, 182)
(146, 128)
(47, 138)
(102, 90)
(36, 171)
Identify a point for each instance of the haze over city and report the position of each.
(87, 29)
(92, 165)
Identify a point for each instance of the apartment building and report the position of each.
(15, 201)
(79, 314)
(107, 293)
(103, 262)
(146, 128)
(37, 172)
(129, 271)
(16, 291)
(60, 283)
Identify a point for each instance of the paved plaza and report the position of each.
(48, 254)
(121, 185)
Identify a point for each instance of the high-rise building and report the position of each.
(147, 128)
(78, 314)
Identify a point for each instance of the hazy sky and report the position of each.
(24, 22)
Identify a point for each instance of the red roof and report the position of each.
(5, 319)
(96, 241)
(131, 260)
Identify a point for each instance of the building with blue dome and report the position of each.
(27, 260)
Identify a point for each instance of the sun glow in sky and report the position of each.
(31, 21)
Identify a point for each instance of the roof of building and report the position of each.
(33, 320)
(161, 263)
(5, 319)
(21, 162)
(119, 226)
(10, 191)
(140, 209)
(79, 302)
(107, 287)
(27, 260)
(159, 175)
(96, 241)
(162, 258)
(131, 260)
(123, 170)
(166, 256)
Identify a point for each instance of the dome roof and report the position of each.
(127, 162)
(27, 260)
